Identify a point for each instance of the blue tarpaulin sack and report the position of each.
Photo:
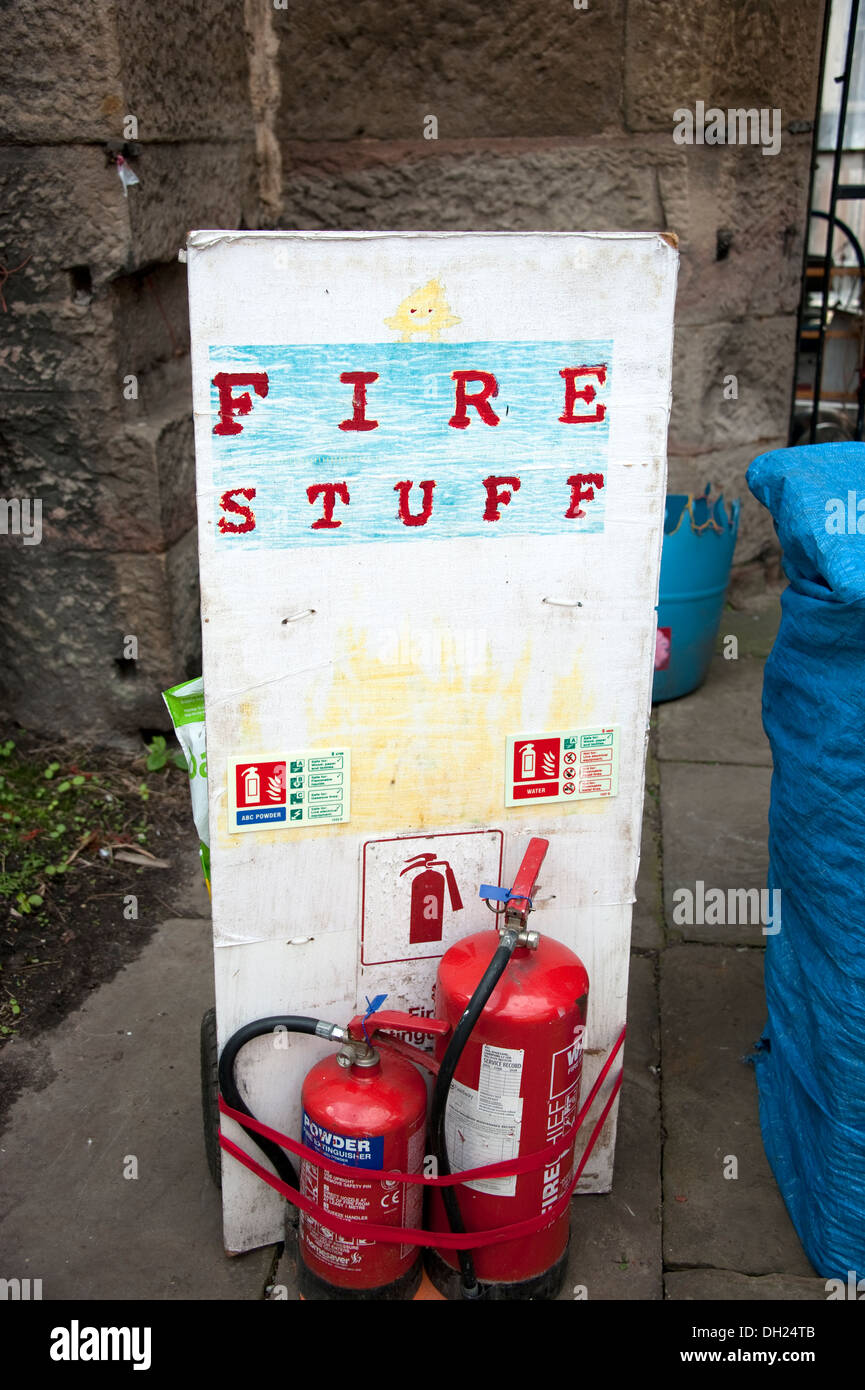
(811, 1065)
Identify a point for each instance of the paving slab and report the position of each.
(721, 722)
(712, 1012)
(715, 829)
(105, 1189)
(647, 922)
(616, 1236)
(726, 1286)
(754, 623)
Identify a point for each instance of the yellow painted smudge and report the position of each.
(428, 735)
(424, 313)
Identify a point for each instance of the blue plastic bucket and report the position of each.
(699, 540)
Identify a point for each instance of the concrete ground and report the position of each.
(105, 1192)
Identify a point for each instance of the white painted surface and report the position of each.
(423, 656)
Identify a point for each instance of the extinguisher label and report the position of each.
(575, 765)
(367, 1152)
(565, 1073)
(484, 1126)
(412, 1193)
(310, 786)
(353, 1197)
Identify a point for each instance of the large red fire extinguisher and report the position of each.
(508, 1085)
(428, 896)
(364, 1108)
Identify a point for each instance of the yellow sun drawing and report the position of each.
(425, 312)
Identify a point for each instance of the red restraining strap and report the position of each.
(507, 1168)
(441, 1240)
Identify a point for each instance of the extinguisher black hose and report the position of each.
(284, 1023)
(449, 1063)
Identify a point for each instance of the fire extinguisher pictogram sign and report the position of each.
(419, 893)
(428, 896)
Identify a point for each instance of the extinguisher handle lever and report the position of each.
(391, 1020)
(519, 903)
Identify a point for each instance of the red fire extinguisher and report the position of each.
(363, 1108)
(508, 1084)
(428, 896)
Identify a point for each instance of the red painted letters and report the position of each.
(331, 491)
(588, 393)
(360, 381)
(228, 504)
(580, 492)
(478, 399)
(499, 491)
(426, 492)
(230, 405)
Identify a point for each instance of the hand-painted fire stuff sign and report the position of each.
(421, 408)
(431, 479)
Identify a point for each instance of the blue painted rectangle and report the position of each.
(266, 815)
(291, 440)
(354, 1151)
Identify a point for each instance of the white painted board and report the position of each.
(454, 546)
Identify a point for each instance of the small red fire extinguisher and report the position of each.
(428, 896)
(364, 1108)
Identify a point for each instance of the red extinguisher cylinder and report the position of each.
(365, 1108)
(516, 1089)
(362, 1116)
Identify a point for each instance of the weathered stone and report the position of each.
(732, 55)
(60, 72)
(64, 338)
(740, 218)
(64, 208)
(108, 479)
(181, 572)
(751, 362)
(554, 187)
(715, 834)
(150, 313)
(186, 186)
(74, 610)
(185, 70)
(379, 70)
(58, 345)
(76, 71)
(712, 1012)
(100, 231)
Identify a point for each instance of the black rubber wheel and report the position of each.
(210, 1095)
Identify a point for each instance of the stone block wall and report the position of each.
(95, 413)
(523, 115)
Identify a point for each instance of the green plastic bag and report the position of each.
(186, 706)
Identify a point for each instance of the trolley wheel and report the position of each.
(210, 1095)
